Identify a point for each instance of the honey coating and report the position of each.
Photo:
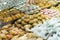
(31, 20)
(45, 3)
(6, 33)
(9, 15)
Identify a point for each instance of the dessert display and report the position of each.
(29, 20)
